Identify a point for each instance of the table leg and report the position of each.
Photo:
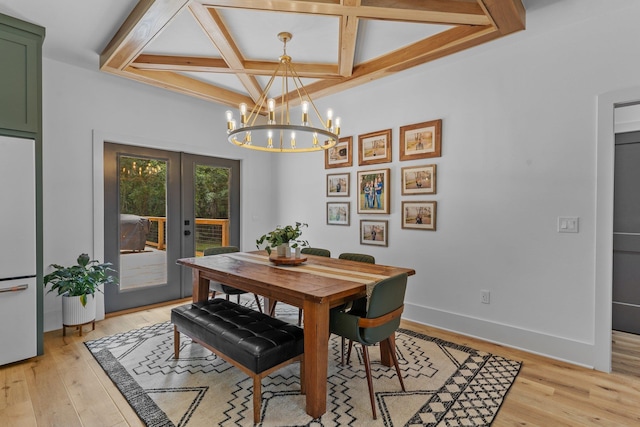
(200, 287)
(316, 355)
(385, 356)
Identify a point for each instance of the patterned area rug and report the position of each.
(447, 384)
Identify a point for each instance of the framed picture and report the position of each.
(419, 215)
(421, 141)
(419, 180)
(374, 147)
(373, 191)
(374, 232)
(338, 213)
(340, 155)
(338, 185)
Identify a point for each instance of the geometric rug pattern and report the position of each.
(447, 384)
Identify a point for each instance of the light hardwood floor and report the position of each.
(66, 387)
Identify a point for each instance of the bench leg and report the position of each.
(257, 398)
(176, 342)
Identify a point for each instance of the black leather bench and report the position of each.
(254, 342)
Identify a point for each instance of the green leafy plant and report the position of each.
(280, 235)
(81, 279)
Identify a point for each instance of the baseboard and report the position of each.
(559, 348)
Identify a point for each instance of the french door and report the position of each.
(161, 206)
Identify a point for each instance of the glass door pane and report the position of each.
(211, 203)
(143, 221)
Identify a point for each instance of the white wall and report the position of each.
(78, 103)
(519, 149)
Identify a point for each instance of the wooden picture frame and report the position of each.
(338, 213)
(340, 155)
(338, 184)
(419, 215)
(421, 140)
(374, 232)
(419, 180)
(374, 191)
(374, 147)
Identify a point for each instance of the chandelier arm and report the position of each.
(258, 106)
(285, 93)
(306, 94)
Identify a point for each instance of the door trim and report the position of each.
(603, 266)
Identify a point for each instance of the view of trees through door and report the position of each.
(143, 214)
(164, 206)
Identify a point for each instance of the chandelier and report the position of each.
(275, 132)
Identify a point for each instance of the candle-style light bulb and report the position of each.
(336, 129)
(270, 139)
(230, 121)
(247, 138)
(329, 118)
(315, 139)
(243, 114)
(271, 106)
(293, 140)
(305, 113)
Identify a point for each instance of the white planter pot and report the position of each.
(73, 313)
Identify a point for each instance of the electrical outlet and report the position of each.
(485, 297)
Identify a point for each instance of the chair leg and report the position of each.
(238, 298)
(258, 303)
(394, 357)
(342, 351)
(367, 367)
(349, 351)
(299, 317)
(273, 309)
(176, 342)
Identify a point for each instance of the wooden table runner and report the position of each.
(369, 279)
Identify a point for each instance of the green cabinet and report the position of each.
(20, 75)
(21, 117)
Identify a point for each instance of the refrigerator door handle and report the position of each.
(16, 288)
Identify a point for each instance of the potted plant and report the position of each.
(283, 237)
(77, 284)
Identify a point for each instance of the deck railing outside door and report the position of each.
(209, 232)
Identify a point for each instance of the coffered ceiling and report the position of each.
(224, 51)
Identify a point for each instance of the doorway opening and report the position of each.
(160, 206)
(625, 357)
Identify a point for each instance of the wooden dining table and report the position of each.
(315, 284)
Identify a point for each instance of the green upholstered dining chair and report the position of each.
(307, 251)
(357, 257)
(372, 325)
(316, 251)
(216, 287)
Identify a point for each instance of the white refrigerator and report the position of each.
(18, 304)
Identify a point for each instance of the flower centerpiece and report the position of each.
(283, 237)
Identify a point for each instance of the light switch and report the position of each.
(568, 224)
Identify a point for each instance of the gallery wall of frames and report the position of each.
(372, 193)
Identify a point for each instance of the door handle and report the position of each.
(187, 233)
